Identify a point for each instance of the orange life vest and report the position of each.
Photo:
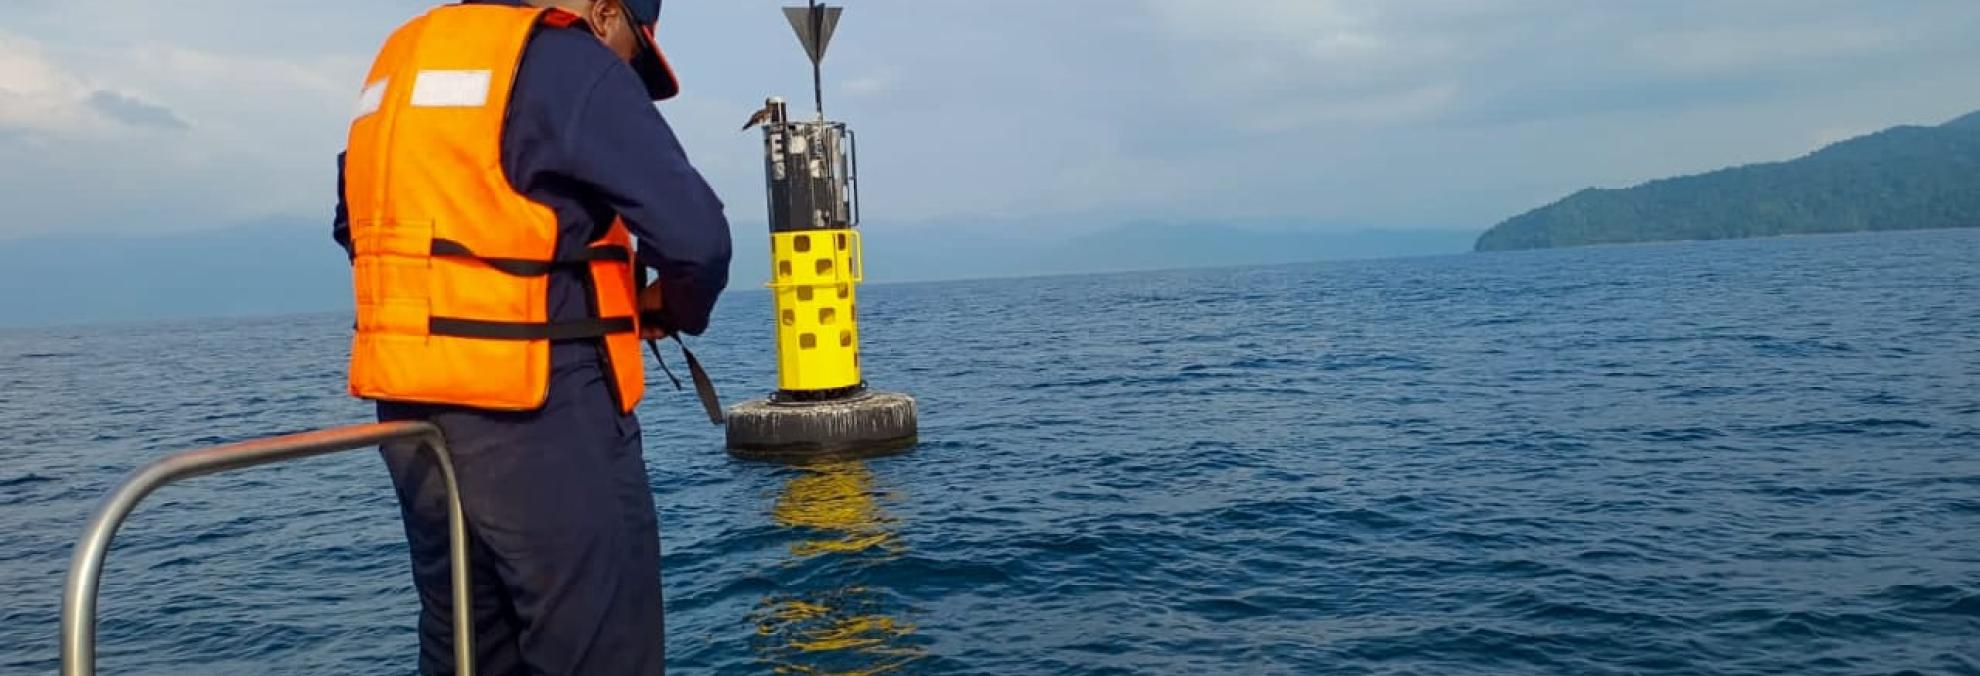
(453, 264)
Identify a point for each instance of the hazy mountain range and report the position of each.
(291, 266)
(1900, 178)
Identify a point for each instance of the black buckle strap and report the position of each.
(570, 330)
(522, 267)
(704, 387)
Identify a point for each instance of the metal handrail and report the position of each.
(86, 569)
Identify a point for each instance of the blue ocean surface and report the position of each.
(1750, 457)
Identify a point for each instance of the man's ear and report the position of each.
(601, 13)
(590, 17)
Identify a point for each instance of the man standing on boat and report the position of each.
(504, 158)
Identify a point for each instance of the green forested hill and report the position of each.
(1901, 178)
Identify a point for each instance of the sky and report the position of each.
(1035, 118)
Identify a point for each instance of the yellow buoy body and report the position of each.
(815, 276)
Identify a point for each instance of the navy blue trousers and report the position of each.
(563, 536)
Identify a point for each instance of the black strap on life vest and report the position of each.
(522, 267)
(565, 330)
(704, 387)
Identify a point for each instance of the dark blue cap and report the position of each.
(650, 62)
(645, 12)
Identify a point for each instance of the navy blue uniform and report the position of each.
(564, 535)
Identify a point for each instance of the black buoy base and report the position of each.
(867, 424)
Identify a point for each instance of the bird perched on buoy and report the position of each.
(757, 119)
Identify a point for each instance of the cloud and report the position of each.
(1509, 62)
(1387, 105)
(35, 94)
(1719, 49)
(40, 96)
(876, 84)
(268, 129)
(134, 111)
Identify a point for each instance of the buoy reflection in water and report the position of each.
(841, 530)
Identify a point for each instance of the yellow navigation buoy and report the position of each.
(822, 406)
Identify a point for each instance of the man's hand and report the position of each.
(650, 326)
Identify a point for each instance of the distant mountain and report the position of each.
(945, 253)
(264, 268)
(1902, 178)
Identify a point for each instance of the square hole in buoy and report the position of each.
(807, 341)
(801, 243)
(824, 266)
(827, 315)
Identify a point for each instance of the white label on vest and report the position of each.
(372, 98)
(450, 88)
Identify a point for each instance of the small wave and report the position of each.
(24, 480)
(1635, 340)
(1934, 599)
(1965, 606)
(1883, 399)
(1857, 426)
(1365, 518)
(1961, 480)
(1854, 626)
(1610, 556)
(929, 574)
(1682, 434)
(1704, 392)
(1926, 594)
(1534, 606)
(1227, 609)
(1777, 347)
(1952, 663)
(1805, 536)
(1061, 544)
(1812, 491)
(1476, 541)
(1776, 623)
(1524, 568)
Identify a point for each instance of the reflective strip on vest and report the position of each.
(451, 88)
(452, 266)
(372, 98)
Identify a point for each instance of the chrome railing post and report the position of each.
(86, 568)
